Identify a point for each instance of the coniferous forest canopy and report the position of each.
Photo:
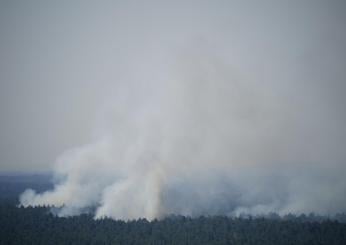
(38, 225)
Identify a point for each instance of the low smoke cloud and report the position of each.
(203, 127)
(202, 143)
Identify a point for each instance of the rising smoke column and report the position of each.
(201, 127)
(201, 142)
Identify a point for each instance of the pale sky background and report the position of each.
(61, 62)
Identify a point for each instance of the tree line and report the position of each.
(39, 226)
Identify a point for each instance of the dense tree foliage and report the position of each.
(40, 226)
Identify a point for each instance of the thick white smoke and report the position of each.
(215, 109)
(200, 140)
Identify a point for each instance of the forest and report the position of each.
(37, 225)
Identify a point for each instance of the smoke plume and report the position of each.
(211, 123)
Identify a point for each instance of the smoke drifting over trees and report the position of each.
(214, 108)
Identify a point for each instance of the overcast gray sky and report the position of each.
(63, 62)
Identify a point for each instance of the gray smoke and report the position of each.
(216, 113)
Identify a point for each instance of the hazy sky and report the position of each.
(147, 108)
(63, 62)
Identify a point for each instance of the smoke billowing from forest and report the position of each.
(227, 114)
